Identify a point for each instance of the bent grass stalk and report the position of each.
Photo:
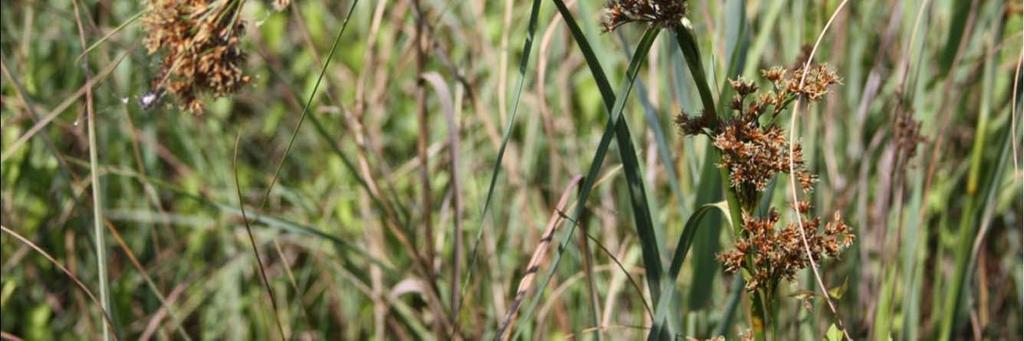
(793, 181)
(103, 311)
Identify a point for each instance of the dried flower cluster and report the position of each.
(199, 42)
(768, 254)
(665, 13)
(755, 154)
(754, 149)
(906, 134)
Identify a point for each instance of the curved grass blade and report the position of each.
(652, 260)
(627, 153)
(662, 327)
(688, 45)
(984, 179)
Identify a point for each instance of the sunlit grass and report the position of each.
(427, 197)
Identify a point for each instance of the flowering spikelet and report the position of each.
(199, 42)
(665, 13)
(777, 254)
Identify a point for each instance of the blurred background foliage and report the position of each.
(356, 260)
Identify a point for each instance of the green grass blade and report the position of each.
(631, 73)
(691, 53)
(725, 325)
(661, 141)
(97, 214)
(983, 178)
(531, 29)
(276, 223)
(955, 35)
(658, 330)
(761, 41)
(627, 153)
(106, 37)
(709, 190)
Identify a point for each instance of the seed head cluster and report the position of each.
(199, 44)
(769, 254)
(754, 149)
(665, 13)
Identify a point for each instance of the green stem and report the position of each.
(759, 317)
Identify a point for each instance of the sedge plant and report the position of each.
(752, 150)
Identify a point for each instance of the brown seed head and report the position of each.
(666, 13)
(770, 255)
(199, 42)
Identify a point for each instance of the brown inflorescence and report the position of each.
(199, 42)
(754, 149)
(755, 154)
(769, 254)
(664, 13)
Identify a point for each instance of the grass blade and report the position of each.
(983, 178)
(662, 327)
(631, 165)
(255, 249)
(595, 166)
(509, 127)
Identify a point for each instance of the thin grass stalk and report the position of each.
(97, 188)
(531, 28)
(103, 313)
(588, 271)
(422, 140)
(663, 326)
(793, 180)
(255, 248)
(277, 171)
(149, 281)
(42, 122)
(538, 258)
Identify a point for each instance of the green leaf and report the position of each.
(658, 330)
(833, 333)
